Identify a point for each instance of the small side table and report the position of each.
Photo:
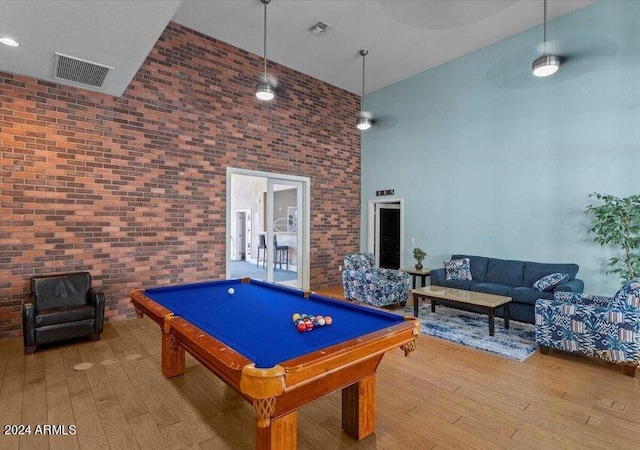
(415, 273)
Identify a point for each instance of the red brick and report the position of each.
(92, 181)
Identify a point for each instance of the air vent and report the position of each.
(79, 70)
(319, 28)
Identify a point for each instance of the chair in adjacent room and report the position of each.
(262, 248)
(606, 328)
(281, 254)
(366, 283)
(61, 307)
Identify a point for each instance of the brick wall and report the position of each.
(133, 188)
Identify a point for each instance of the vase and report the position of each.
(419, 266)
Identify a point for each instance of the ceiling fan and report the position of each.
(267, 84)
(367, 119)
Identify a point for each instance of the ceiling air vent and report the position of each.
(319, 28)
(79, 70)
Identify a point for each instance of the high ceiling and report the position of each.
(404, 37)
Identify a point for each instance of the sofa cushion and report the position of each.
(527, 295)
(491, 288)
(477, 264)
(458, 284)
(53, 316)
(548, 282)
(457, 269)
(533, 271)
(504, 271)
(628, 296)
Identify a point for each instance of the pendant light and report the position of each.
(545, 65)
(264, 91)
(364, 123)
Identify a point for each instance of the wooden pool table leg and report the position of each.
(359, 408)
(172, 356)
(282, 433)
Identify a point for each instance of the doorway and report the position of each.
(243, 235)
(386, 235)
(275, 209)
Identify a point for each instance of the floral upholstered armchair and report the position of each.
(366, 283)
(607, 328)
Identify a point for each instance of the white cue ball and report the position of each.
(231, 291)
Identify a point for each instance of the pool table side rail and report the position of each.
(299, 380)
(320, 362)
(152, 309)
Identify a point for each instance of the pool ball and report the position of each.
(321, 321)
(231, 291)
(309, 325)
(295, 317)
(301, 327)
(328, 320)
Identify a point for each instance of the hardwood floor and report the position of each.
(443, 395)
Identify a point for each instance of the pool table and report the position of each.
(248, 339)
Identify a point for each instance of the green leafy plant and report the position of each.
(616, 222)
(419, 254)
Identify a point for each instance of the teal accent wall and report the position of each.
(493, 161)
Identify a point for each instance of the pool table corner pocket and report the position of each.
(263, 386)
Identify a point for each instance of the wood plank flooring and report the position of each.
(443, 395)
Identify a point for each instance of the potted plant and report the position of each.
(616, 222)
(419, 255)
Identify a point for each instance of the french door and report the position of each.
(280, 224)
(284, 240)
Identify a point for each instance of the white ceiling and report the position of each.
(403, 37)
(118, 34)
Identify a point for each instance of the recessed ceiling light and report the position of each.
(10, 42)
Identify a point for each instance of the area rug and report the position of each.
(471, 329)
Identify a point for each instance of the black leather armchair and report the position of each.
(61, 307)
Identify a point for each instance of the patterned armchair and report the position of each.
(606, 328)
(366, 283)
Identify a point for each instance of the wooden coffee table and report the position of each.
(486, 302)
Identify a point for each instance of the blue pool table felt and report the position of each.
(256, 321)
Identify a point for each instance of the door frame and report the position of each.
(304, 263)
(372, 225)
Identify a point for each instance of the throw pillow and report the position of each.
(458, 269)
(548, 282)
(628, 296)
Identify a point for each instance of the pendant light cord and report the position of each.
(544, 28)
(265, 38)
(364, 52)
(362, 98)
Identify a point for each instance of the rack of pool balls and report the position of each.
(307, 322)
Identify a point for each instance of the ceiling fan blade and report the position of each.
(382, 121)
(578, 55)
(270, 78)
(367, 114)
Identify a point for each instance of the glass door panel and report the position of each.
(284, 200)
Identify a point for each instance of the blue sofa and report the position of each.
(511, 278)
